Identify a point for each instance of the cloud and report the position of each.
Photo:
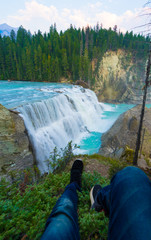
(37, 16)
(95, 6)
(66, 12)
(33, 10)
(110, 19)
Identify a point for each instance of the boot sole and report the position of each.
(91, 196)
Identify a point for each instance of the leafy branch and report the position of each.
(58, 159)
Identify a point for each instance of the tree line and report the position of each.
(73, 54)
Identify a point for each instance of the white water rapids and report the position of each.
(55, 114)
(55, 121)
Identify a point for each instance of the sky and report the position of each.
(37, 15)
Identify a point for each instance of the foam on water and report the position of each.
(58, 120)
(55, 114)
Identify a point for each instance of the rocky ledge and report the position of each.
(15, 153)
(124, 132)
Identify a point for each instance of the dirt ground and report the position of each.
(91, 165)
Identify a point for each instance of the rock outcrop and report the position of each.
(120, 78)
(124, 132)
(82, 83)
(15, 151)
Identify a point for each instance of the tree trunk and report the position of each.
(138, 141)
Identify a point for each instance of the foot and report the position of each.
(76, 172)
(93, 197)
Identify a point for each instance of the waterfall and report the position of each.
(56, 113)
(57, 120)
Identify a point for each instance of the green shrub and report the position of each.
(116, 166)
(23, 214)
(58, 159)
(128, 155)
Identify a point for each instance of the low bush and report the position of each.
(58, 159)
(24, 211)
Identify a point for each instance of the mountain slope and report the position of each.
(5, 29)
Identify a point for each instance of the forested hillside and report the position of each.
(74, 54)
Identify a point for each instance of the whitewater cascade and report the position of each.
(55, 121)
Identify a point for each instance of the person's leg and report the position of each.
(130, 210)
(100, 198)
(128, 202)
(63, 220)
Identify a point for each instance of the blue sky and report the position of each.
(40, 14)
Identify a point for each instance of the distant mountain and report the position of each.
(5, 29)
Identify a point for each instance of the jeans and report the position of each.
(127, 201)
(62, 223)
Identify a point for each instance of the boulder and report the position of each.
(82, 83)
(15, 153)
(124, 133)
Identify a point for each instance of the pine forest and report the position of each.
(69, 55)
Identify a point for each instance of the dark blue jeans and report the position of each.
(127, 201)
(62, 223)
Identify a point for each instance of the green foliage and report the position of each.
(53, 160)
(91, 223)
(116, 166)
(98, 157)
(24, 214)
(69, 55)
(128, 154)
(59, 159)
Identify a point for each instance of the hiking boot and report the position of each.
(76, 172)
(93, 197)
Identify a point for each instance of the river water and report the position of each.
(55, 114)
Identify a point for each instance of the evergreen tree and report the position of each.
(70, 54)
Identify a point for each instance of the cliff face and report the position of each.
(120, 78)
(14, 143)
(124, 132)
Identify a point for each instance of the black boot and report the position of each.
(76, 172)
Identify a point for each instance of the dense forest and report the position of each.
(68, 55)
